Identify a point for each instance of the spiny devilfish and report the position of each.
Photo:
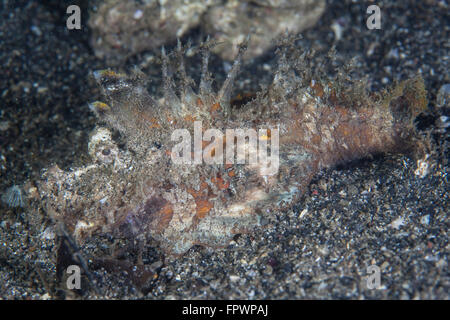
(138, 191)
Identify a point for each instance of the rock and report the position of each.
(264, 20)
(121, 29)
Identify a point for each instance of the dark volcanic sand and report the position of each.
(374, 211)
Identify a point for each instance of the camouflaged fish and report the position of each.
(302, 123)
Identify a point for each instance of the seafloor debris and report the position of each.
(13, 197)
(443, 96)
(124, 28)
(139, 191)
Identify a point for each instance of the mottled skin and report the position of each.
(138, 191)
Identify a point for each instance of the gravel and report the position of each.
(370, 212)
